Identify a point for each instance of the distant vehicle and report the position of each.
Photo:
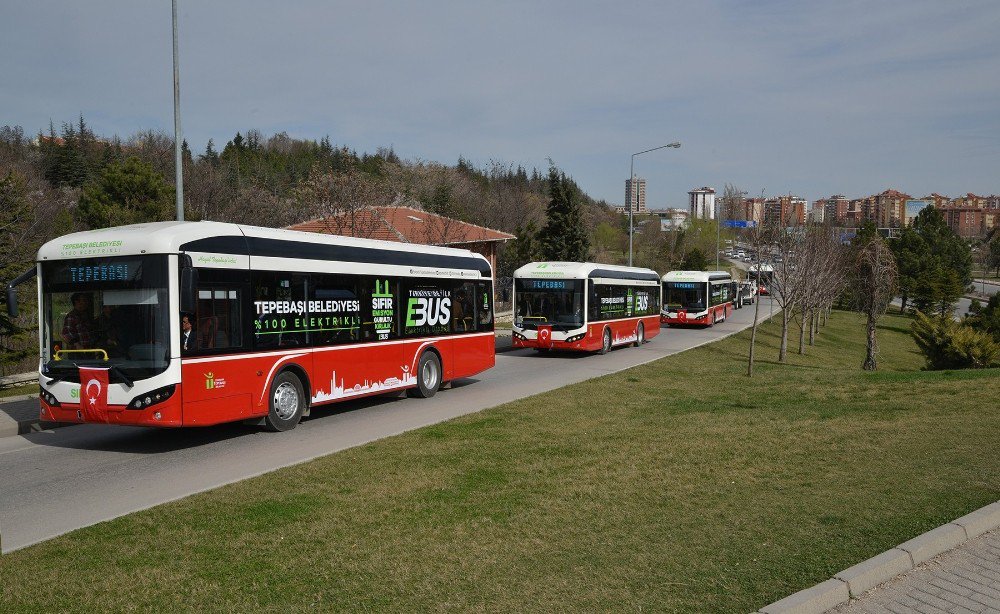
(747, 293)
(763, 274)
(696, 297)
(741, 254)
(584, 306)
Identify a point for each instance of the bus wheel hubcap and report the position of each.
(429, 374)
(286, 401)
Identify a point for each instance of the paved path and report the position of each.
(963, 580)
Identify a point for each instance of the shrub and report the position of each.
(949, 345)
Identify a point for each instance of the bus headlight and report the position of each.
(575, 338)
(152, 398)
(48, 397)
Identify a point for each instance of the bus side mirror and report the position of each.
(12, 291)
(11, 301)
(189, 285)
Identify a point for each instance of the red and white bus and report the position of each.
(584, 306)
(199, 323)
(699, 298)
(763, 274)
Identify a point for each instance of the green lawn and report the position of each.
(23, 389)
(676, 486)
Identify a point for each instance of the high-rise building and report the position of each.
(701, 203)
(785, 210)
(635, 195)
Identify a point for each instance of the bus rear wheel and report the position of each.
(640, 335)
(428, 375)
(288, 402)
(606, 344)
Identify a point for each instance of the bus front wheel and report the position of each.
(288, 402)
(640, 335)
(428, 375)
(606, 344)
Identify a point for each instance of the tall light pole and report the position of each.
(178, 161)
(632, 188)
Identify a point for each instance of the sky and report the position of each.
(773, 96)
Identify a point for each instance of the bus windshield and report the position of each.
(558, 302)
(684, 295)
(105, 312)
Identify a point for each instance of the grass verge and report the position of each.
(20, 390)
(675, 486)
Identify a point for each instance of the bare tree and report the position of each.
(819, 272)
(342, 202)
(757, 238)
(786, 284)
(874, 280)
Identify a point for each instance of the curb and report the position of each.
(23, 427)
(852, 582)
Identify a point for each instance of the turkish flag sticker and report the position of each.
(94, 394)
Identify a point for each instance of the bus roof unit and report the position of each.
(696, 276)
(584, 270)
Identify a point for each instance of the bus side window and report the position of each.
(276, 323)
(217, 324)
(594, 306)
(336, 309)
(463, 308)
(484, 299)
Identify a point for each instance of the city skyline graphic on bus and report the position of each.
(367, 387)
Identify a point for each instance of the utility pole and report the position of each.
(178, 158)
(632, 188)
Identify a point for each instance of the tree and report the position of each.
(911, 252)
(873, 284)
(126, 193)
(210, 156)
(945, 267)
(757, 237)
(520, 252)
(341, 201)
(563, 236)
(694, 260)
(986, 318)
(993, 254)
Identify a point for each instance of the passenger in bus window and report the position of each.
(189, 341)
(78, 327)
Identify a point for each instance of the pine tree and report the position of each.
(552, 236)
(210, 156)
(577, 240)
(127, 193)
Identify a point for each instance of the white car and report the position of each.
(748, 292)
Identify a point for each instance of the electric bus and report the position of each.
(700, 298)
(199, 323)
(584, 306)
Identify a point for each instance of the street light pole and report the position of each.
(631, 188)
(178, 161)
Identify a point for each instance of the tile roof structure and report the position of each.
(403, 224)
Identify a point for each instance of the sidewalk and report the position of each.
(966, 579)
(954, 568)
(19, 415)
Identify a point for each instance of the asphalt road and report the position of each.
(53, 482)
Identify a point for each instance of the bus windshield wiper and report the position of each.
(116, 370)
